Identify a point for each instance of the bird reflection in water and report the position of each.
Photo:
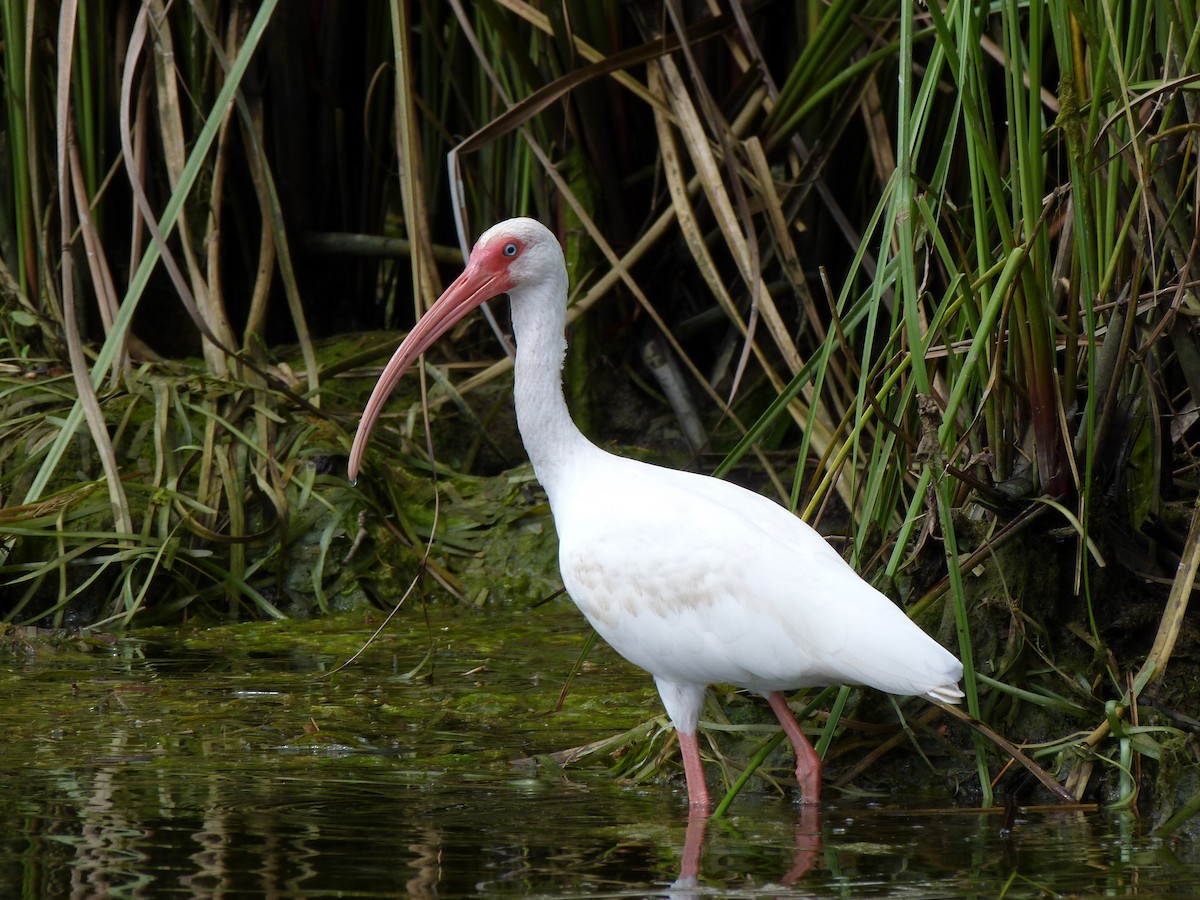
(808, 849)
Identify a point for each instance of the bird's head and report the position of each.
(517, 252)
(507, 257)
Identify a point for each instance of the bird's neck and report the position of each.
(551, 438)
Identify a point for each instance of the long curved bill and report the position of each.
(478, 282)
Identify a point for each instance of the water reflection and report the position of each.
(289, 826)
(205, 778)
(808, 848)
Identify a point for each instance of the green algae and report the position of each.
(481, 687)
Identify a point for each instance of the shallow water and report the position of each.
(231, 763)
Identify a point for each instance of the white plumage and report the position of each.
(692, 578)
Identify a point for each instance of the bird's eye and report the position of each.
(510, 249)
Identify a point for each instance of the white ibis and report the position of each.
(693, 579)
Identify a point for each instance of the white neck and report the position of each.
(551, 439)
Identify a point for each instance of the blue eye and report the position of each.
(510, 249)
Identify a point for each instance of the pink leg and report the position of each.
(694, 771)
(808, 764)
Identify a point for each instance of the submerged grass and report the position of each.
(933, 268)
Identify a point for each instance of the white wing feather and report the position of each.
(697, 581)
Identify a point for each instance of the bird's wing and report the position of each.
(698, 580)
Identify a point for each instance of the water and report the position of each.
(230, 763)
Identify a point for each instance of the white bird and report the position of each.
(693, 579)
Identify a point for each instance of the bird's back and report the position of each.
(698, 581)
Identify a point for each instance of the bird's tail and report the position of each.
(947, 693)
